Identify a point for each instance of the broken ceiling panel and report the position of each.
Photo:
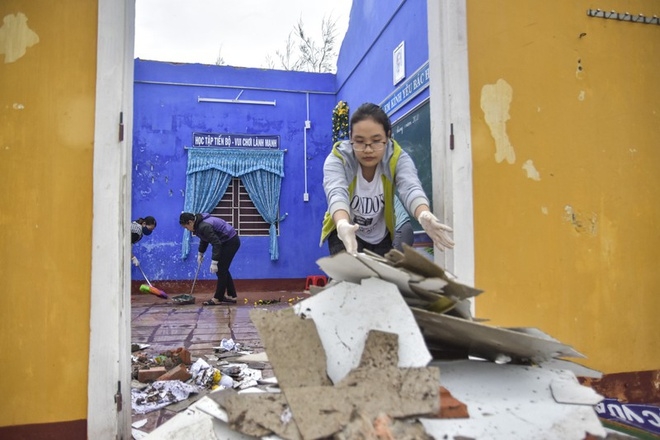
(196, 423)
(413, 261)
(510, 401)
(566, 389)
(345, 267)
(386, 272)
(321, 412)
(260, 414)
(492, 343)
(343, 315)
(298, 361)
(577, 369)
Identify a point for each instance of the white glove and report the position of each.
(200, 257)
(214, 266)
(346, 233)
(135, 261)
(438, 232)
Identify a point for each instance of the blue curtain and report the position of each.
(204, 190)
(264, 190)
(211, 169)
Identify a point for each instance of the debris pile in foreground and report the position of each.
(354, 361)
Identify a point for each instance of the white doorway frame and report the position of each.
(450, 115)
(109, 371)
(109, 353)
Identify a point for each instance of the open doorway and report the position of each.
(109, 406)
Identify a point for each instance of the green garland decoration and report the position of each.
(340, 121)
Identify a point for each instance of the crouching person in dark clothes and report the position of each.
(225, 243)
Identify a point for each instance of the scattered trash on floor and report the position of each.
(227, 345)
(160, 394)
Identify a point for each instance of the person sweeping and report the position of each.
(140, 228)
(225, 243)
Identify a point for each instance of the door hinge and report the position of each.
(118, 399)
(451, 136)
(121, 126)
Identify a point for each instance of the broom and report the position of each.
(149, 288)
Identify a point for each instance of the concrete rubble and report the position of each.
(389, 350)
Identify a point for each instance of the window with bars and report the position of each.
(237, 209)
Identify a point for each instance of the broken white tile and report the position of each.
(566, 389)
(210, 407)
(344, 313)
(269, 380)
(577, 369)
(253, 390)
(136, 434)
(432, 284)
(389, 273)
(509, 401)
(204, 419)
(489, 342)
(345, 267)
(139, 423)
(253, 357)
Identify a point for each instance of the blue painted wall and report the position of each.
(376, 28)
(166, 113)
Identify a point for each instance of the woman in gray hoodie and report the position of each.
(361, 177)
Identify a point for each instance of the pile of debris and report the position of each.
(354, 361)
(171, 376)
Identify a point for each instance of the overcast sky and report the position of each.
(243, 32)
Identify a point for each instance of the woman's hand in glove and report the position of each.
(438, 232)
(346, 233)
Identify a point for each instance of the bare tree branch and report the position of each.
(312, 56)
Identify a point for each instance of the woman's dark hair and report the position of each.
(185, 217)
(372, 111)
(147, 221)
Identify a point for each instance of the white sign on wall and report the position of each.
(399, 63)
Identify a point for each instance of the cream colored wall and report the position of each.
(565, 133)
(47, 90)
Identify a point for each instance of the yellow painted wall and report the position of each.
(47, 92)
(566, 150)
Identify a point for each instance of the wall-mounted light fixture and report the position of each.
(236, 100)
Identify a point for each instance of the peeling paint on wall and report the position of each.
(16, 37)
(579, 71)
(581, 223)
(495, 103)
(532, 173)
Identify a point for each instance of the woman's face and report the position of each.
(190, 225)
(369, 139)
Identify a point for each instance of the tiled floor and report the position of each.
(166, 326)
